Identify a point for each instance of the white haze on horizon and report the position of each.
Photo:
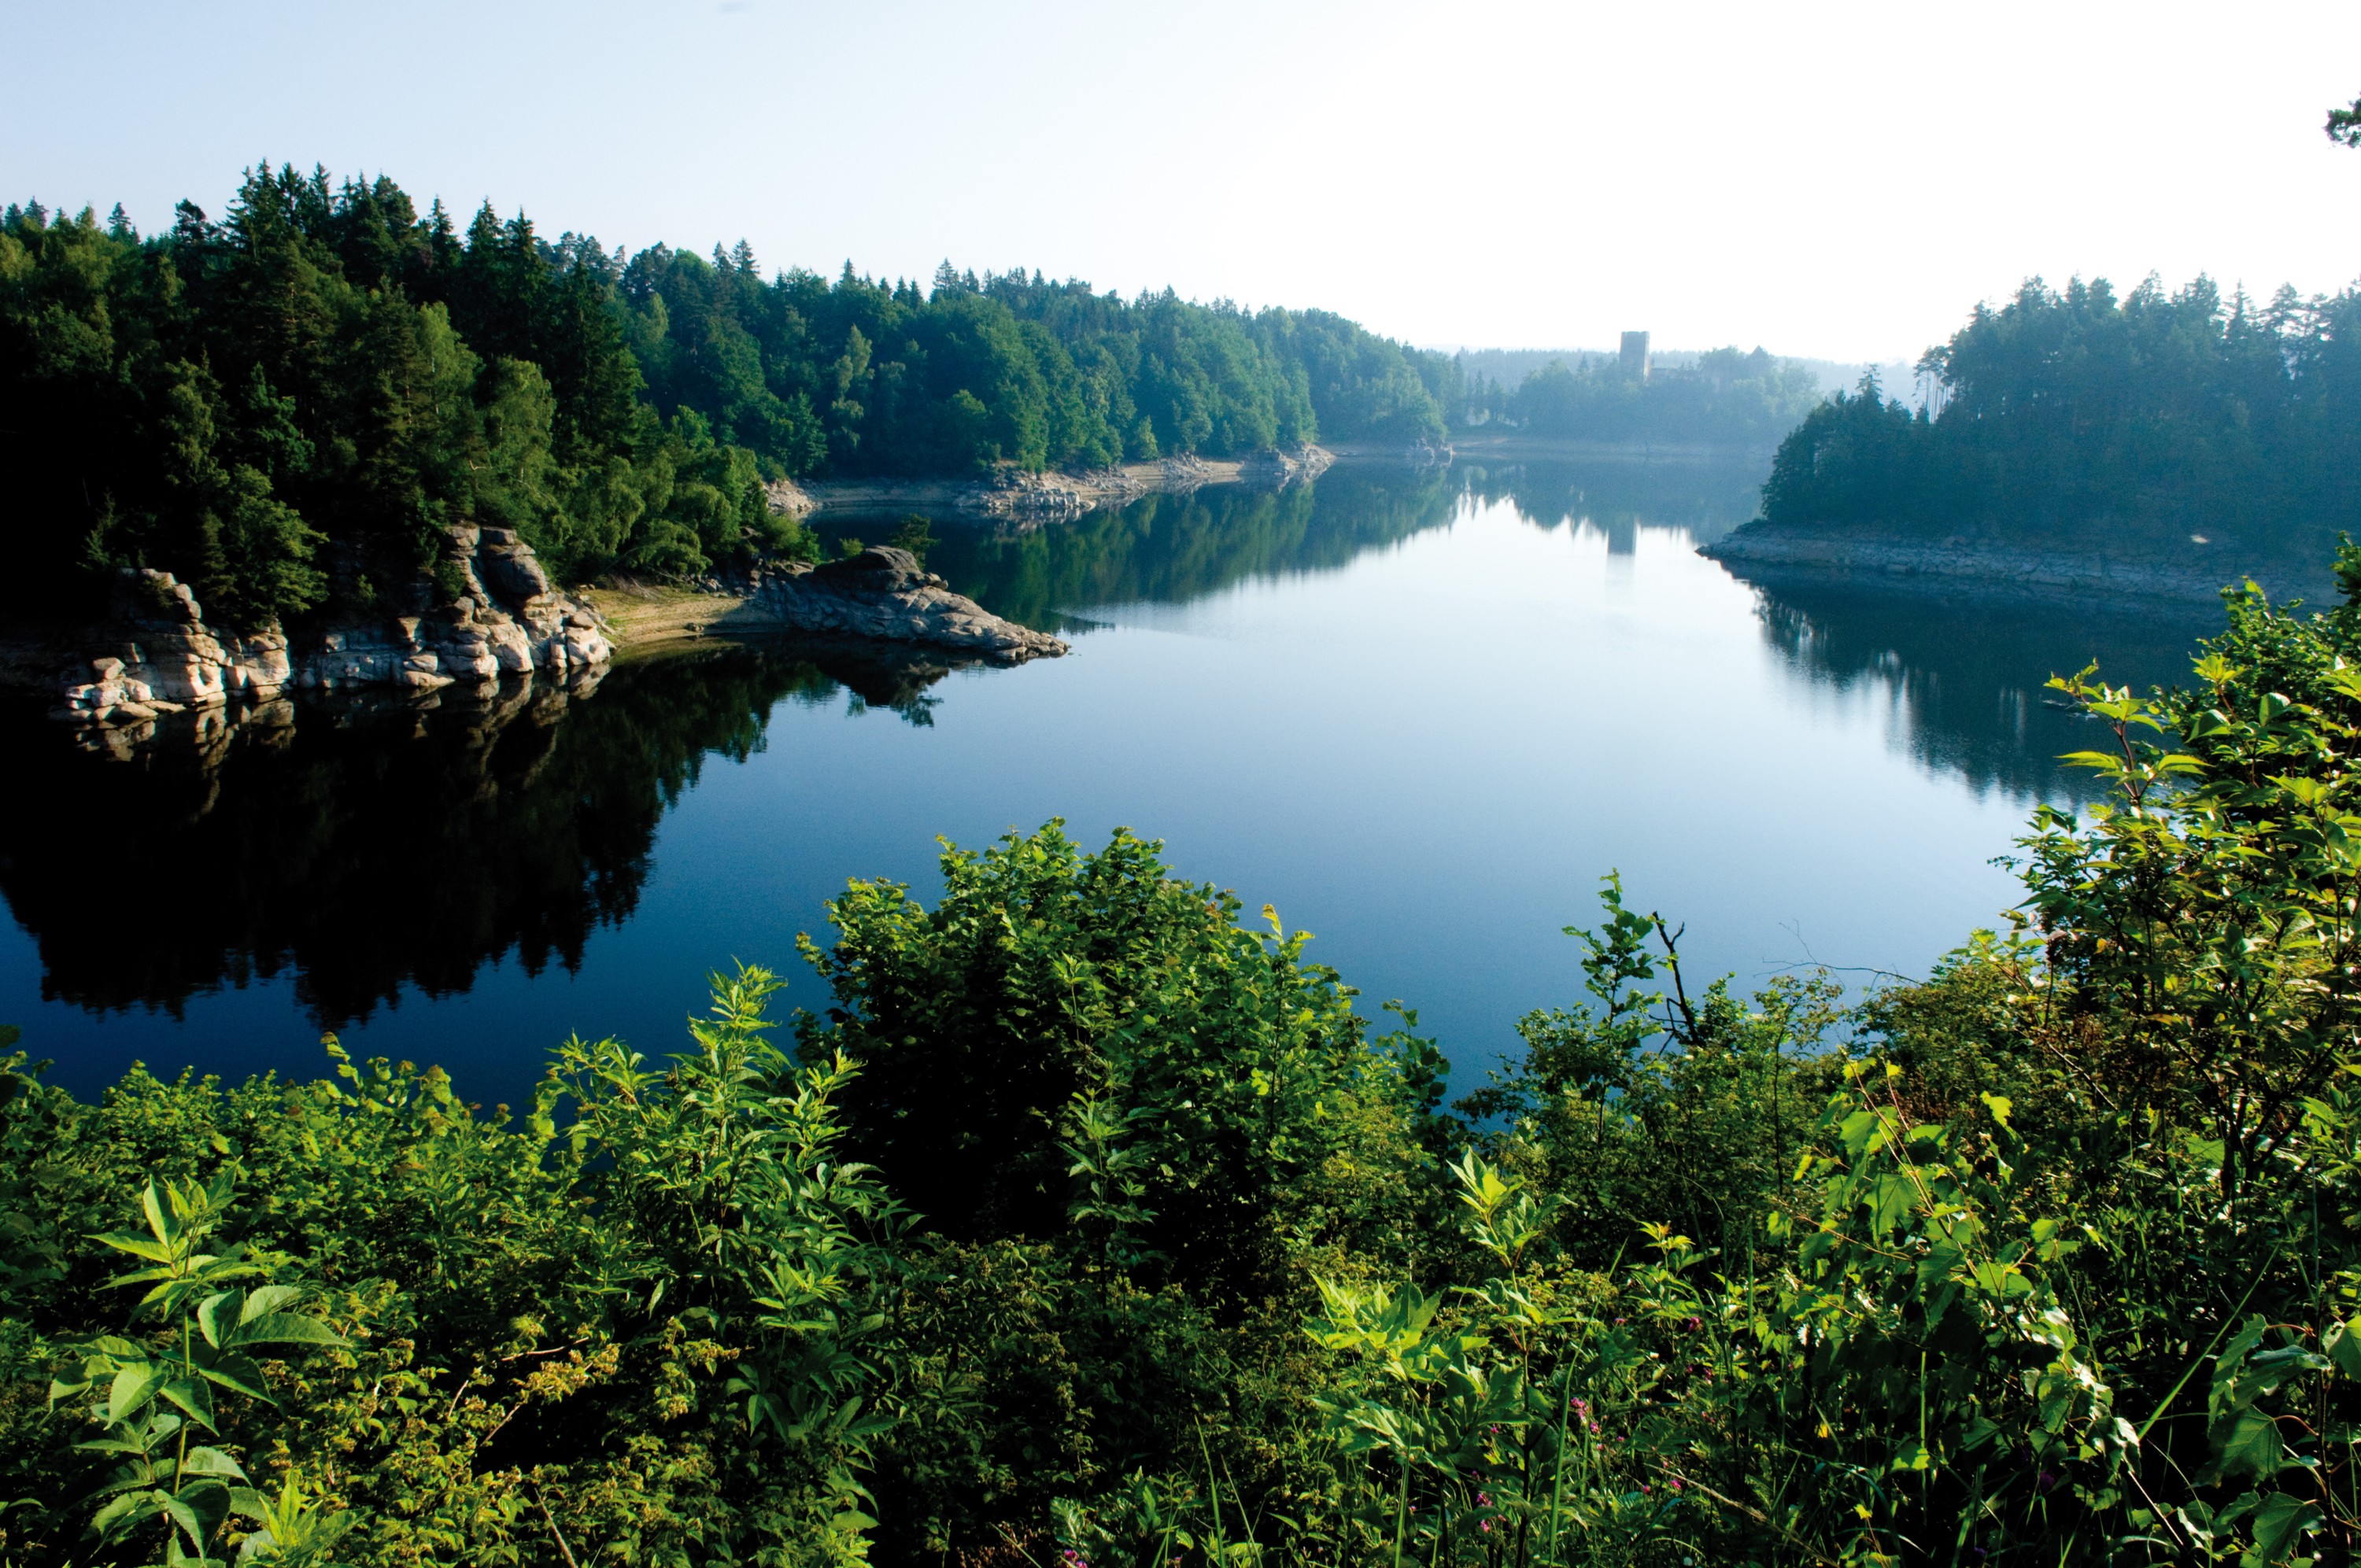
(1838, 181)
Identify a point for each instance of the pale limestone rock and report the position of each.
(884, 593)
(508, 619)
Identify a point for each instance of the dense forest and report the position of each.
(2180, 422)
(1722, 398)
(1082, 1218)
(284, 406)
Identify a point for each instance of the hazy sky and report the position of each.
(1835, 180)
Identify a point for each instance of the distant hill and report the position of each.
(1510, 366)
(1721, 398)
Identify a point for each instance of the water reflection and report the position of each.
(1173, 548)
(1444, 665)
(368, 845)
(1965, 681)
(1618, 497)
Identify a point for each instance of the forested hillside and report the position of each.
(285, 404)
(2157, 421)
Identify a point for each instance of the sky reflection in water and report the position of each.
(1421, 714)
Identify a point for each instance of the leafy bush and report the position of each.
(1088, 1223)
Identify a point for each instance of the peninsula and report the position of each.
(2072, 445)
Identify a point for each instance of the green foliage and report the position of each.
(290, 404)
(2181, 424)
(1088, 1219)
(915, 534)
(1726, 398)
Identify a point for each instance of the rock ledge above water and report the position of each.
(884, 593)
(161, 658)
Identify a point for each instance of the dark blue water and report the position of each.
(1421, 714)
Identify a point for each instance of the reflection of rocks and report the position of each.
(884, 593)
(507, 620)
(201, 739)
(372, 841)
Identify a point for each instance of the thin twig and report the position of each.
(1757, 1515)
(551, 1520)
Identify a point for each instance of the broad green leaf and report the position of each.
(237, 1371)
(281, 1328)
(133, 1387)
(211, 1461)
(124, 1514)
(268, 1299)
(2278, 1523)
(138, 1246)
(2244, 1443)
(192, 1395)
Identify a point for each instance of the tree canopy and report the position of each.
(1726, 397)
(2150, 421)
(283, 403)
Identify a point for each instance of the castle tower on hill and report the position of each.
(1635, 355)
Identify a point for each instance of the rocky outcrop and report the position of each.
(1015, 495)
(1278, 467)
(508, 618)
(161, 658)
(788, 499)
(1183, 472)
(1979, 568)
(884, 593)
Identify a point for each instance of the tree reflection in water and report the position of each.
(366, 844)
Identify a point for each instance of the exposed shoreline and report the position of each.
(1014, 498)
(108, 683)
(1982, 569)
(1479, 445)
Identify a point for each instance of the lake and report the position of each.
(1418, 713)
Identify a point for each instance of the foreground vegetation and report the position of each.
(285, 405)
(1085, 1222)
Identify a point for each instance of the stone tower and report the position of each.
(1635, 355)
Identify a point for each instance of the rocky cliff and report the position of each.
(161, 658)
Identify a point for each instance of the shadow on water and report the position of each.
(368, 845)
(1965, 681)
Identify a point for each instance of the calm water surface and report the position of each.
(1419, 714)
